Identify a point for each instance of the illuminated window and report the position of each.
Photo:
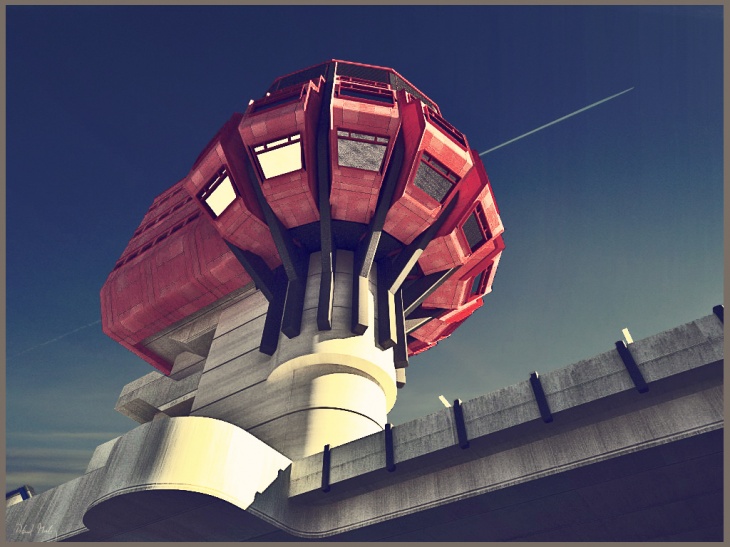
(219, 193)
(280, 157)
(434, 178)
(361, 151)
(476, 229)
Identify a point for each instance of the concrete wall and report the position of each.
(613, 465)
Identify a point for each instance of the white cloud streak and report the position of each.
(556, 121)
(57, 338)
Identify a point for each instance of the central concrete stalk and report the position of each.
(321, 387)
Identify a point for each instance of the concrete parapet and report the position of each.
(615, 464)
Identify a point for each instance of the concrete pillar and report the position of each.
(321, 387)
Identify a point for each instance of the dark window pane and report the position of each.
(476, 284)
(431, 182)
(360, 155)
(473, 232)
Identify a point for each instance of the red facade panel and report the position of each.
(242, 221)
(432, 169)
(417, 346)
(441, 327)
(362, 127)
(459, 289)
(187, 271)
(292, 194)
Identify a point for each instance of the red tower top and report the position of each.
(340, 155)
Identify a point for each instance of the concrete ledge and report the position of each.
(426, 444)
(158, 393)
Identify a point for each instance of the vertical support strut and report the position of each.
(324, 185)
(632, 368)
(392, 273)
(295, 267)
(400, 353)
(460, 424)
(719, 311)
(415, 293)
(255, 266)
(386, 334)
(365, 253)
(275, 314)
(326, 469)
(389, 452)
(404, 262)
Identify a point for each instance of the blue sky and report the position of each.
(613, 218)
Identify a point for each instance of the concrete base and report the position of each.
(614, 464)
(319, 388)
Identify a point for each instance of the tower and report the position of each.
(337, 227)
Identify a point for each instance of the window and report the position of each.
(219, 193)
(280, 157)
(479, 283)
(476, 229)
(434, 178)
(361, 151)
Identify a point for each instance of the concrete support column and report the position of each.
(321, 387)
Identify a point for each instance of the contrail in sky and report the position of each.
(556, 121)
(57, 338)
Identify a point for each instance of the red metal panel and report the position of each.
(413, 209)
(354, 192)
(292, 196)
(242, 223)
(443, 326)
(180, 275)
(417, 346)
(474, 187)
(456, 291)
